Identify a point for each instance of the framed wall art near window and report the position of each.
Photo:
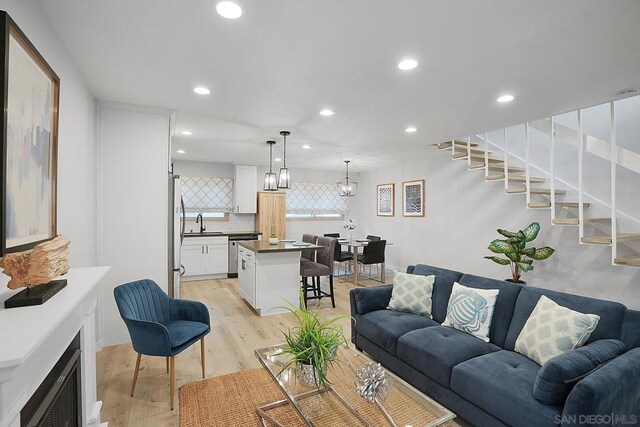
(29, 90)
(413, 198)
(386, 199)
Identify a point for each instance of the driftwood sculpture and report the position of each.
(37, 266)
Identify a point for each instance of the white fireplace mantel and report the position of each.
(32, 339)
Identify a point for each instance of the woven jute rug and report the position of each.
(231, 400)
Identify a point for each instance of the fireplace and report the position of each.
(58, 400)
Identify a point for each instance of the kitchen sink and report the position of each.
(206, 233)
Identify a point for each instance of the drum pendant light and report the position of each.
(270, 177)
(284, 180)
(347, 187)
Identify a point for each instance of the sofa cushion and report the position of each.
(435, 351)
(558, 376)
(412, 293)
(552, 330)
(504, 307)
(384, 327)
(441, 288)
(611, 313)
(470, 310)
(630, 335)
(501, 383)
(181, 331)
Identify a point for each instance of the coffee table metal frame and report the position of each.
(262, 410)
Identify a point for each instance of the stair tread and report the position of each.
(571, 205)
(597, 219)
(566, 221)
(476, 165)
(606, 239)
(494, 177)
(516, 190)
(517, 178)
(459, 156)
(461, 148)
(546, 191)
(447, 144)
(491, 158)
(633, 260)
(539, 205)
(512, 169)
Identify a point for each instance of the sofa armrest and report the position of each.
(149, 338)
(365, 300)
(611, 391)
(194, 311)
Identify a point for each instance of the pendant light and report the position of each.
(270, 177)
(284, 180)
(347, 187)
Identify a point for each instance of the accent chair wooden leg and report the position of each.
(172, 379)
(167, 359)
(135, 374)
(202, 354)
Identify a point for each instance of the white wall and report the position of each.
(133, 188)
(76, 136)
(462, 214)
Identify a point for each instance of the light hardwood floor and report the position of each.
(235, 331)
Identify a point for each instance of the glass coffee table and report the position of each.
(338, 403)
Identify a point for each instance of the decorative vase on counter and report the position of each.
(273, 240)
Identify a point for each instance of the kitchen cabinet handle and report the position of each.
(243, 265)
(202, 248)
(237, 208)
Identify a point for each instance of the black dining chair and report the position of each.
(373, 254)
(371, 238)
(321, 268)
(339, 255)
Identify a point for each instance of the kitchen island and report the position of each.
(269, 275)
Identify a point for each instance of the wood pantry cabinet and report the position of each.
(205, 256)
(271, 216)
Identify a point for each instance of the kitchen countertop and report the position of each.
(263, 246)
(221, 233)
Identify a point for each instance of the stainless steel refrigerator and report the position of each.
(176, 235)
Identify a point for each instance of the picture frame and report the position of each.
(385, 200)
(30, 93)
(413, 198)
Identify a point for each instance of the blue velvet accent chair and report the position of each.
(161, 326)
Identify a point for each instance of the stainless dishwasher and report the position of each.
(233, 251)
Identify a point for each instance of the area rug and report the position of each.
(231, 400)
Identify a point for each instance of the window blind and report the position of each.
(312, 198)
(204, 194)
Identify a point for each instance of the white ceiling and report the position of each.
(285, 60)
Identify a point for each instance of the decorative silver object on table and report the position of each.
(372, 383)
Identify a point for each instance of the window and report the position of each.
(311, 200)
(212, 197)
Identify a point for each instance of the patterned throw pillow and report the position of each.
(552, 330)
(412, 293)
(470, 310)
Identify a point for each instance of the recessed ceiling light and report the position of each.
(186, 132)
(229, 10)
(327, 112)
(407, 64)
(180, 151)
(411, 129)
(505, 98)
(306, 146)
(201, 90)
(277, 159)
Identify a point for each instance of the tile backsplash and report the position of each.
(235, 222)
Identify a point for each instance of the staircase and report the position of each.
(582, 166)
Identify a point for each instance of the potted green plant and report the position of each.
(518, 256)
(312, 344)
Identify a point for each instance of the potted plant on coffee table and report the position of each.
(312, 344)
(518, 256)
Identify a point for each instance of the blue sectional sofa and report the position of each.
(488, 383)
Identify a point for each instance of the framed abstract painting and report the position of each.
(386, 199)
(413, 198)
(29, 89)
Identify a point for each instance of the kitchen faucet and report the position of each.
(202, 227)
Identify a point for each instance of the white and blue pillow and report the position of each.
(412, 293)
(470, 310)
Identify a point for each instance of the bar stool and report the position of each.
(322, 267)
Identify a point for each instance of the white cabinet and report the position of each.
(245, 184)
(205, 255)
(247, 276)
